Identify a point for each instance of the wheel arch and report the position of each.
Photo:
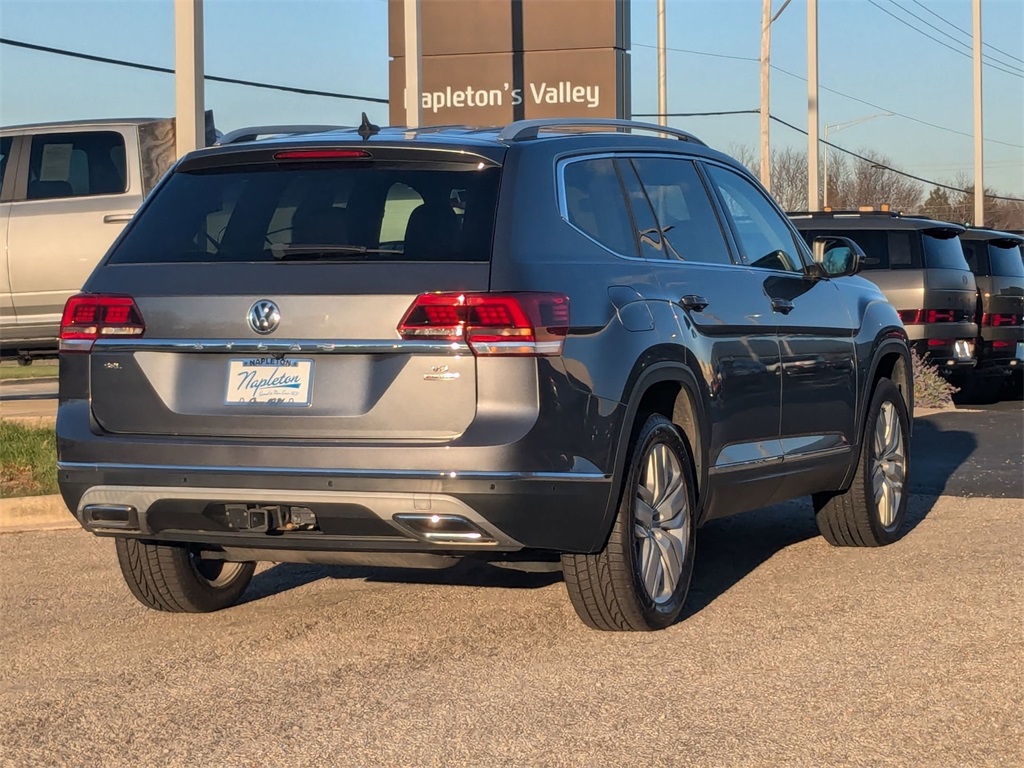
(668, 387)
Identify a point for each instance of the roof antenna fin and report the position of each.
(367, 129)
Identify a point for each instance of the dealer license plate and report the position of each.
(267, 381)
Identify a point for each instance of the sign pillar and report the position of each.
(190, 123)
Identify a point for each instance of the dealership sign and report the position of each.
(488, 62)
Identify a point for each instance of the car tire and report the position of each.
(871, 511)
(169, 577)
(639, 581)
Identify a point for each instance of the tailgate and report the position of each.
(271, 284)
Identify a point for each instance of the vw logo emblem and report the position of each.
(264, 316)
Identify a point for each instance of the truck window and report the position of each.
(1005, 258)
(77, 165)
(943, 251)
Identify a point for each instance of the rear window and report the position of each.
(883, 249)
(367, 211)
(1006, 260)
(943, 252)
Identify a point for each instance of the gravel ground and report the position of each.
(794, 653)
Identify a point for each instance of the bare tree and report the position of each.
(867, 181)
(789, 174)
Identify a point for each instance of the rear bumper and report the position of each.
(384, 511)
(945, 357)
(1000, 350)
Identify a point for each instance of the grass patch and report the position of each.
(28, 460)
(35, 371)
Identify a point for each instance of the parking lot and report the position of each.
(792, 653)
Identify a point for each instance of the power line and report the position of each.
(920, 31)
(828, 144)
(966, 32)
(166, 70)
(833, 90)
(897, 114)
(700, 53)
(889, 168)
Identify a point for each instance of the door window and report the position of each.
(77, 165)
(764, 236)
(595, 204)
(683, 210)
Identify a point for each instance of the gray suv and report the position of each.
(552, 342)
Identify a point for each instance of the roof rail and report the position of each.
(252, 133)
(523, 130)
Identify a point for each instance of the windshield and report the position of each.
(362, 211)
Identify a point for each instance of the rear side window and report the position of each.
(883, 249)
(942, 252)
(683, 209)
(6, 144)
(1006, 260)
(977, 256)
(595, 205)
(363, 211)
(76, 165)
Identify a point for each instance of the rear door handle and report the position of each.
(693, 302)
(117, 218)
(785, 306)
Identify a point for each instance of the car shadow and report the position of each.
(283, 577)
(728, 549)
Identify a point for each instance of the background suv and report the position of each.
(919, 264)
(553, 340)
(995, 259)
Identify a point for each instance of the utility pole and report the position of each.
(766, 120)
(979, 148)
(190, 116)
(413, 64)
(662, 64)
(812, 105)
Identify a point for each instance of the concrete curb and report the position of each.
(35, 513)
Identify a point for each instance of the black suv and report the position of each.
(554, 341)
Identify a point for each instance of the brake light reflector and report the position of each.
(1000, 320)
(322, 154)
(88, 317)
(529, 324)
(919, 316)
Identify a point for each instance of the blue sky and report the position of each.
(341, 45)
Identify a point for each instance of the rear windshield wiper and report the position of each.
(302, 251)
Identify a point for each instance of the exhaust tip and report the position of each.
(443, 529)
(113, 516)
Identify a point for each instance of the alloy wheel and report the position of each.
(888, 469)
(662, 522)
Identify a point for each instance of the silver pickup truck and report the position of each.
(66, 191)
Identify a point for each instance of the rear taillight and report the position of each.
(491, 323)
(1000, 320)
(923, 316)
(88, 317)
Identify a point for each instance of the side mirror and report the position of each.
(837, 256)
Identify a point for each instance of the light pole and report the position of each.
(766, 51)
(813, 150)
(979, 149)
(413, 64)
(839, 127)
(662, 78)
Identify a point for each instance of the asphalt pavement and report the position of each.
(793, 653)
